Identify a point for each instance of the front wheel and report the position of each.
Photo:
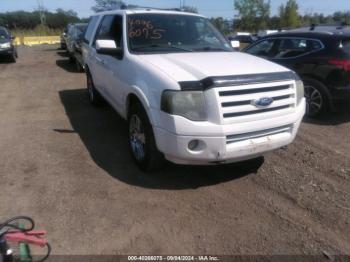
(317, 100)
(13, 58)
(142, 142)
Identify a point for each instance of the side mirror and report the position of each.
(235, 44)
(108, 47)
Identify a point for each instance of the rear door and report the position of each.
(299, 54)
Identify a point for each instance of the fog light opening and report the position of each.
(196, 145)
(193, 145)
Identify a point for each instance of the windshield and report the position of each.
(157, 33)
(3, 34)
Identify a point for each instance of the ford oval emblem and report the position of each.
(263, 102)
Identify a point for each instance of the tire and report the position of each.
(142, 142)
(94, 96)
(317, 98)
(71, 58)
(79, 67)
(13, 58)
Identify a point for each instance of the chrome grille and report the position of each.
(236, 102)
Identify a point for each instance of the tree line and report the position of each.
(31, 20)
(255, 15)
(252, 16)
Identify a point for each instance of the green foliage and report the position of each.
(254, 14)
(31, 20)
(105, 5)
(289, 15)
(40, 30)
(223, 25)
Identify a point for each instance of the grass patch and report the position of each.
(38, 31)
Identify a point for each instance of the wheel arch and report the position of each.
(322, 81)
(136, 96)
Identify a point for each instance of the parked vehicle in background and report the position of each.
(7, 48)
(263, 33)
(242, 39)
(63, 44)
(153, 71)
(64, 36)
(321, 57)
(74, 41)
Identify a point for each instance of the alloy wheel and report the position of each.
(314, 100)
(137, 138)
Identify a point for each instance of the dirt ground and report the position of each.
(67, 165)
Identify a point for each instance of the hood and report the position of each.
(197, 66)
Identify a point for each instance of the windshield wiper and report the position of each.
(208, 48)
(161, 46)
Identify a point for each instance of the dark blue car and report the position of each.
(7, 48)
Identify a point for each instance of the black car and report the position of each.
(320, 56)
(7, 48)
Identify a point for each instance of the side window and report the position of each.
(293, 47)
(111, 28)
(90, 29)
(267, 48)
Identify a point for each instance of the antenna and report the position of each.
(41, 9)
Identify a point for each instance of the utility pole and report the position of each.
(182, 4)
(41, 9)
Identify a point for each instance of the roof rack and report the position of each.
(338, 26)
(132, 7)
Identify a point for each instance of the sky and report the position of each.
(208, 8)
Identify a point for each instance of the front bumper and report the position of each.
(6, 52)
(216, 147)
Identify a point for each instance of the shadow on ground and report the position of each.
(342, 115)
(104, 134)
(5, 60)
(66, 65)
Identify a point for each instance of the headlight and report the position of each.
(5, 45)
(299, 88)
(189, 104)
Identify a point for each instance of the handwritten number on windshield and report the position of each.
(145, 29)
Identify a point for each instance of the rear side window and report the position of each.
(90, 29)
(293, 47)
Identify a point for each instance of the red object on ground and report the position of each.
(34, 237)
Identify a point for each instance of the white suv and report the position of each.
(187, 96)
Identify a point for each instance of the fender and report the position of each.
(143, 98)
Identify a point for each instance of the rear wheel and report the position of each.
(142, 142)
(94, 96)
(317, 98)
